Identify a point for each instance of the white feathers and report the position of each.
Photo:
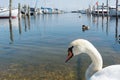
(95, 71)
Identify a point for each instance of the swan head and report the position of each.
(76, 47)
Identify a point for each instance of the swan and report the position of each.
(95, 70)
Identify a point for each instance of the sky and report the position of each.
(60, 4)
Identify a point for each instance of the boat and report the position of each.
(33, 11)
(4, 13)
(39, 11)
(112, 11)
(56, 11)
(46, 10)
(100, 11)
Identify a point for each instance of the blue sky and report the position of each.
(61, 4)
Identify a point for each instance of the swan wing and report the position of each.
(108, 73)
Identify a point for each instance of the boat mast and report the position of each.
(36, 3)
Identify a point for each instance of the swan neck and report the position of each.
(96, 58)
(96, 64)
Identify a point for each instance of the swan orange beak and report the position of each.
(70, 55)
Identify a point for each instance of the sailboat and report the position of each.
(4, 13)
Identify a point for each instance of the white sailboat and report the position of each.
(4, 13)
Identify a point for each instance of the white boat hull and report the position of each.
(100, 12)
(5, 13)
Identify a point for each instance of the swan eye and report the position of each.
(70, 49)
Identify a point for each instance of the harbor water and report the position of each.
(36, 49)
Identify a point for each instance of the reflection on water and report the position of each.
(39, 45)
(117, 35)
(11, 33)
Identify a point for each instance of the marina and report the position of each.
(38, 51)
(34, 43)
(26, 10)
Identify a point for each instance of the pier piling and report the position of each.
(19, 17)
(28, 10)
(10, 8)
(116, 8)
(107, 8)
(19, 10)
(28, 17)
(102, 9)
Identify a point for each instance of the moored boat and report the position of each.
(51, 10)
(100, 11)
(4, 13)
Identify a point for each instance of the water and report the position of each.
(37, 51)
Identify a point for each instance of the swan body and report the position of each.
(108, 73)
(95, 70)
